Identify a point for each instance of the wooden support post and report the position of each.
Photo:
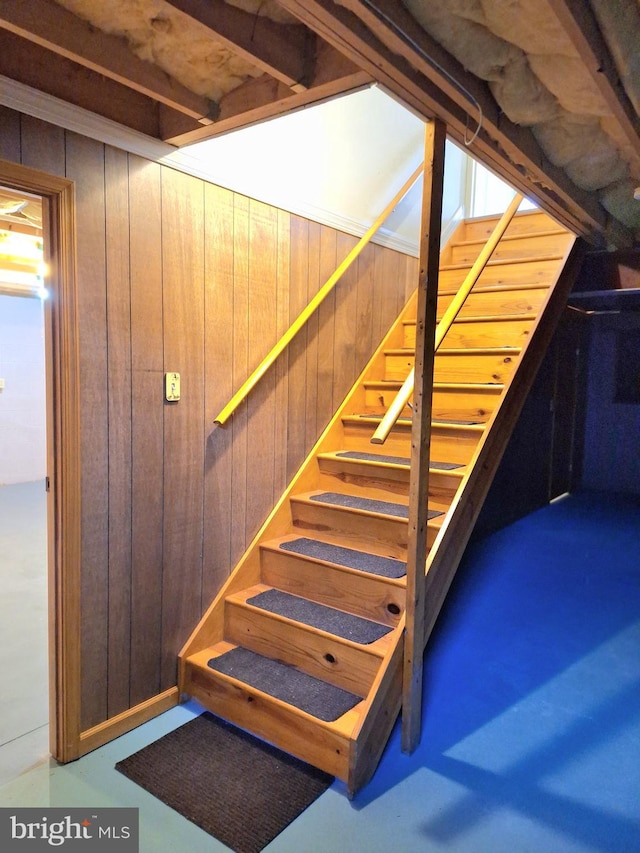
(435, 137)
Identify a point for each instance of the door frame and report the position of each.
(63, 450)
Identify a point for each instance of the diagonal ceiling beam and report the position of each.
(579, 23)
(264, 97)
(54, 28)
(378, 44)
(280, 50)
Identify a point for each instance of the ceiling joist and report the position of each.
(280, 50)
(50, 26)
(37, 67)
(580, 25)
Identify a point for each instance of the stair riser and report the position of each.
(497, 303)
(302, 736)
(531, 246)
(478, 406)
(453, 445)
(479, 334)
(361, 481)
(448, 404)
(528, 272)
(369, 480)
(459, 367)
(369, 596)
(382, 535)
(395, 476)
(350, 668)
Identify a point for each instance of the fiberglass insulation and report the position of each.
(535, 75)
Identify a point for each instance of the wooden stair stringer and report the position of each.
(378, 716)
(446, 553)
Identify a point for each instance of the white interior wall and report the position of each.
(489, 194)
(338, 163)
(343, 159)
(22, 400)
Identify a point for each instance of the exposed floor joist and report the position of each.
(283, 52)
(45, 71)
(50, 26)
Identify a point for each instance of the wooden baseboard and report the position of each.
(109, 730)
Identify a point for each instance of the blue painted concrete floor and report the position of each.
(531, 738)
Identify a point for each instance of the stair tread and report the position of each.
(450, 386)
(498, 288)
(502, 262)
(351, 558)
(507, 237)
(391, 460)
(484, 318)
(286, 683)
(357, 629)
(373, 418)
(360, 503)
(472, 351)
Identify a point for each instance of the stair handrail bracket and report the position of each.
(401, 400)
(315, 303)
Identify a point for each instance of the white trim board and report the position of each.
(25, 99)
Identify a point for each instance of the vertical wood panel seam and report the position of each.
(162, 403)
(131, 392)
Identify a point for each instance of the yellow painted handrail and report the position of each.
(404, 394)
(317, 300)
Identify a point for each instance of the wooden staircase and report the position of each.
(304, 644)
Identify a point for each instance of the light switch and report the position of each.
(172, 387)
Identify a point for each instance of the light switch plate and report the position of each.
(172, 387)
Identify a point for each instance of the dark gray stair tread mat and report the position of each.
(337, 622)
(393, 460)
(455, 422)
(407, 419)
(284, 682)
(368, 504)
(371, 417)
(387, 567)
(373, 457)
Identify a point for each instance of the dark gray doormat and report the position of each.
(237, 788)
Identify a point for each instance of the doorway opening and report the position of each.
(38, 219)
(24, 650)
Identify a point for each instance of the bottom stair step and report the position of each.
(363, 561)
(284, 682)
(336, 622)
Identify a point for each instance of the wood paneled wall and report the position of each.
(175, 274)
